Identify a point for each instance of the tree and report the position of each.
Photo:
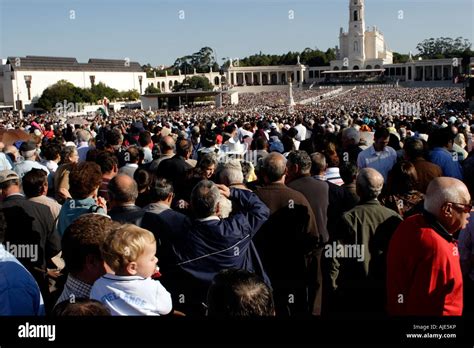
(58, 93)
(131, 95)
(202, 61)
(400, 58)
(152, 89)
(101, 90)
(195, 82)
(65, 91)
(443, 47)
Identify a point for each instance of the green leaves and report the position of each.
(64, 90)
(195, 82)
(443, 47)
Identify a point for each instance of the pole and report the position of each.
(186, 83)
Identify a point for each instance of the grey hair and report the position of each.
(438, 194)
(83, 135)
(302, 159)
(274, 166)
(230, 172)
(67, 153)
(319, 164)
(351, 133)
(204, 199)
(230, 176)
(369, 183)
(225, 207)
(161, 190)
(28, 154)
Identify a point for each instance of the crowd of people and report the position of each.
(341, 208)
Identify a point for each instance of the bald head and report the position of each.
(443, 190)
(167, 145)
(123, 189)
(369, 184)
(274, 167)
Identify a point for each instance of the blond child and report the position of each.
(130, 251)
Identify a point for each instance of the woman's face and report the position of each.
(209, 171)
(74, 158)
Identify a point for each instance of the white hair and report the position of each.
(83, 135)
(230, 176)
(370, 183)
(230, 172)
(225, 207)
(437, 195)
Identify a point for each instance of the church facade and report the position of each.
(360, 48)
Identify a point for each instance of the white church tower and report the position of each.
(361, 48)
(356, 32)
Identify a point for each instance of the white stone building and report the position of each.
(23, 79)
(360, 48)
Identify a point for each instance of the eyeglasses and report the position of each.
(466, 207)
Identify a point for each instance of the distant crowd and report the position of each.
(348, 207)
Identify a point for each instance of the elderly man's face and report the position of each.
(455, 215)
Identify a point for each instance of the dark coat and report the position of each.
(130, 214)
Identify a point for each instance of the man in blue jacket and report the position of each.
(212, 244)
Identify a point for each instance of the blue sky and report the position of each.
(155, 32)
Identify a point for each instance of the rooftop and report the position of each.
(71, 64)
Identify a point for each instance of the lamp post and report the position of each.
(140, 80)
(19, 104)
(185, 82)
(221, 73)
(28, 85)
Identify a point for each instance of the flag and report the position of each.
(104, 109)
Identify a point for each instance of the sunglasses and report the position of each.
(466, 208)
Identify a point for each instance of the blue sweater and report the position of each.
(19, 292)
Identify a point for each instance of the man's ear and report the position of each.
(447, 209)
(132, 268)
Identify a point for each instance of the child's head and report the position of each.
(130, 250)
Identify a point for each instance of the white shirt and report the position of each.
(4, 163)
(301, 132)
(132, 295)
(24, 167)
(51, 165)
(148, 155)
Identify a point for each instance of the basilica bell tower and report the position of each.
(356, 33)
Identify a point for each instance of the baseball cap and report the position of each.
(6, 175)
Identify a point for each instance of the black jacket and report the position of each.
(130, 214)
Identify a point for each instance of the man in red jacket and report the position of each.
(423, 270)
